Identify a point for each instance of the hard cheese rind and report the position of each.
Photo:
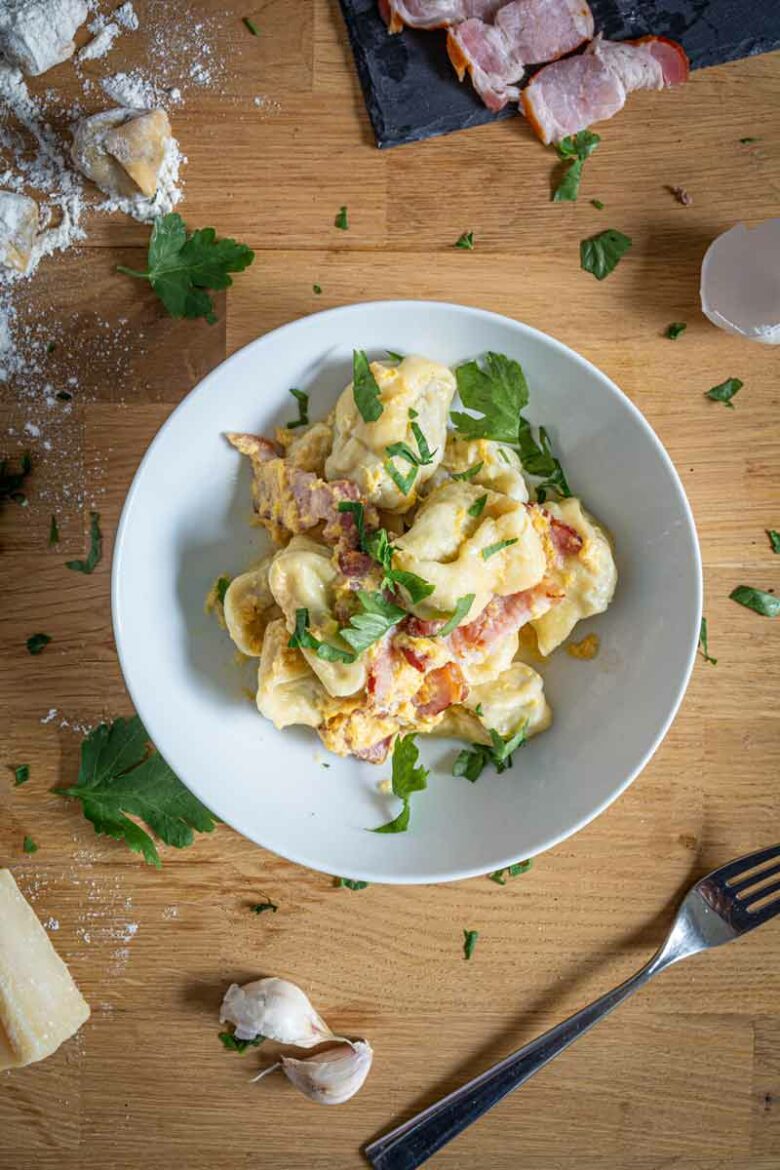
(40, 1005)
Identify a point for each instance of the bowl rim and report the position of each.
(146, 708)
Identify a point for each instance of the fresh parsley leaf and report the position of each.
(302, 398)
(674, 330)
(317, 289)
(425, 455)
(471, 762)
(303, 639)
(538, 460)
(498, 390)
(756, 599)
(29, 846)
(11, 481)
(462, 607)
(748, 141)
(364, 388)
(233, 1044)
(356, 509)
(182, 266)
(261, 907)
(774, 539)
(575, 149)
(500, 875)
(498, 547)
(250, 24)
(341, 220)
(403, 451)
(36, 642)
(54, 532)
(725, 391)
(377, 616)
(408, 777)
(465, 242)
(478, 709)
(95, 547)
(470, 472)
(703, 645)
(478, 507)
(469, 942)
(404, 483)
(417, 588)
(119, 778)
(597, 204)
(222, 585)
(600, 254)
(349, 884)
(21, 774)
(394, 357)
(377, 545)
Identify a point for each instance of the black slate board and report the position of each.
(412, 92)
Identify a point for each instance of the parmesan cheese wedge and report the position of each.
(40, 1005)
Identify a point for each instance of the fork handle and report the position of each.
(418, 1139)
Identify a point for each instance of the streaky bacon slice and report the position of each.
(440, 690)
(525, 32)
(568, 96)
(566, 539)
(501, 617)
(376, 753)
(435, 13)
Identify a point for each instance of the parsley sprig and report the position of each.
(471, 762)
(95, 548)
(408, 777)
(600, 254)
(574, 149)
(379, 547)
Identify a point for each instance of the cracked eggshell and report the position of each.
(740, 282)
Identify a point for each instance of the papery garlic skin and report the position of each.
(274, 1008)
(332, 1077)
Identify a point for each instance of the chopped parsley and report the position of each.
(465, 242)
(499, 876)
(478, 507)
(600, 254)
(182, 266)
(574, 149)
(470, 472)
(21, 774)
(233, 1044)
(408, 777)
(376, 618)
(394, 357)
(341, 220)
(95, 547)
(54, 532)
(498, 390)
(462, 607)
(404, 483)
(121, 778)
(303, 639)
(36, 642)
(725, 391)
(674, 330)
(379, 548)
(349, 884)
(498, 547)
(597, 204)
(317, 289)
(302, 398)
(703, 645)
(538, 460)
(748, 141)
(221, 587)
(758, 600)
(29, 846)
(365, 390)
(774, 539)
(261, 907)
(472, 761)
(250, 24)
(11, 482)
(469, 942)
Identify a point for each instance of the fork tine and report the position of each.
(742, 864)
(753, 878)
(764, 913)
(762, 892)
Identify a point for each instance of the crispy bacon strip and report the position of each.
(500, 618)
(440, 690)
(434, 13)
(376, 753)
(566, 539)
(525, 32)
(568, 96)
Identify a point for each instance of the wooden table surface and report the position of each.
(685, 1075)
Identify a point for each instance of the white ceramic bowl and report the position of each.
(186, 520)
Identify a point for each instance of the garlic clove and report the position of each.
(277, 1009)
(329, 1078)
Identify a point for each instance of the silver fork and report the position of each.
(727, 903)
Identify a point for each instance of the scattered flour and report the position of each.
(135, 90)
(51, 924)
(168, 191)
(101, 43)
(126, 16)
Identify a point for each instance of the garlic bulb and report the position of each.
(329, 1078)
(274, 1008)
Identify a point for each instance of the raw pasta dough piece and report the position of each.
(40, 1005)
(18, 229)
(122, 150)
(35, 35)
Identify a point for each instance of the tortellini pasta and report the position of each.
(500, 468)
(360, 448)
(248, 607)
(513, 700)
(288, 691)
(309, 450)
(457, 543)
(588, 580)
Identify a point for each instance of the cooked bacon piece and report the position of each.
(418, 661)
(418, 628)
(377, 753)
(525, 32)
(354, 563)
(440, 690)
(381, 676)
(566, 539)
(289, 501)
(501, 617)
(434, 13)
(571, 95)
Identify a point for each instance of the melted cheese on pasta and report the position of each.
(506, 703)
(287, 690)
(501, 469)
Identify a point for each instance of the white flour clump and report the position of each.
(105, 31)
(35, 35)
(134, 90)
(126, 16)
